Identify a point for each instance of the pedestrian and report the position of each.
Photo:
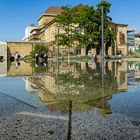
(45, 57)
(93, 56)
(41, 56)
(12, 59)
(37, 58)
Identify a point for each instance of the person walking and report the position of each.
(37, 58)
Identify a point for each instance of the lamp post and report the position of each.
(102, 62)
(58, 47)
(57, 50)
(102, 11)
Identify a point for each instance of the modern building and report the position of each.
(28, 32)
(137, 41)
(131, 39)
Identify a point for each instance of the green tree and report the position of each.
(82, 26)
(65, 22)
(87, 33)
(39, 48)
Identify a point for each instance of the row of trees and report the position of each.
(81, 26)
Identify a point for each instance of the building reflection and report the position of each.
(79, 83)
(19, 68)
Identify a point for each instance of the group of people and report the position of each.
(1, 59)
(15, 57)
(41, 58)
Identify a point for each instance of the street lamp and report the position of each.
(102, 11)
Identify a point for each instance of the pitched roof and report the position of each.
(80, 6)
(53, 10)
(58, 10)
(113, 23)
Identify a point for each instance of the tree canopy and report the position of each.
(81, 25)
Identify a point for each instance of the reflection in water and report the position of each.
(79, 87)
(79, 83)
(87, 85)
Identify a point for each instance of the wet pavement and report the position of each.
(73, 104)
(19, 121)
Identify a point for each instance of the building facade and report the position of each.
(48, 28)
(131, 39)
(28, 32)
(120, 45)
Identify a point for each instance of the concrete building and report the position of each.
(133, 40)
(137, 41)
(28, 32)
(3, 51)
(3, 59)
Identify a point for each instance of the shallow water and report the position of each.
(71, 89)
(85, 84)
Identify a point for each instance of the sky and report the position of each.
(15, 15)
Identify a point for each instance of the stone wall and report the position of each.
(122, 39)
(23, 48)
(50, 32)
(45, 19)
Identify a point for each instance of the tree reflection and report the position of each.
(85, 90)
(83, 87)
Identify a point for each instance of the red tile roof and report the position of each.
(53, 10)
(80, 6)
(58, 10)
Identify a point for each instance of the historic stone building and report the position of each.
(120, 46)
(47, 29)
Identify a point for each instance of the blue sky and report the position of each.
(15, 15)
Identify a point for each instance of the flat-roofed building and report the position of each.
(131, 39)
(137, 41)
(28, 32)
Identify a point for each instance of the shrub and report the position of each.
(134, 54)
(39, 49)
